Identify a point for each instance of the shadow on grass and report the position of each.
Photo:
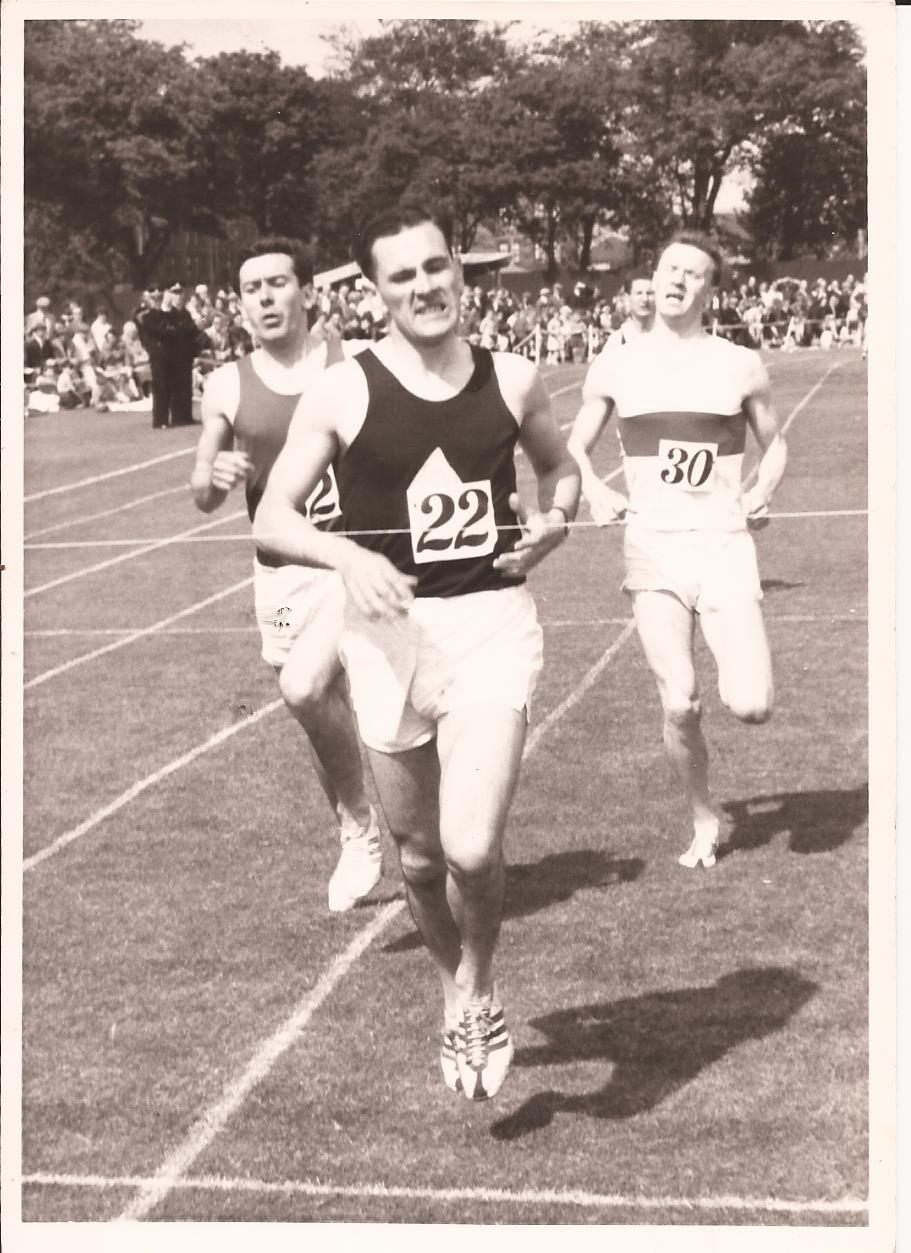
(816, 822)
(655, 1043)
(533, 886)
(778, 585)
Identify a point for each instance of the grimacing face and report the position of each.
(419, 282)
(271, 296)
(684, 280)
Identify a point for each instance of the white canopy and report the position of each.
(480, 261)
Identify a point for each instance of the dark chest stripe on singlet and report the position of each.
(641, 434)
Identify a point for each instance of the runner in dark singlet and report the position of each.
(246, 410)
(441, 639)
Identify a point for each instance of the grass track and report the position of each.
(678, 1035)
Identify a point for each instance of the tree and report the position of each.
(556, 126)
(114, 142)
(423, 128)
(263, 135)
(811, 170)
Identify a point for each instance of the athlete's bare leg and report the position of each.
(408, 786)
(737, 638)
(314, 687)
(480, 752)
(666, 629)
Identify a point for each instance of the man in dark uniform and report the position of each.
(441, 640)
(170, 337)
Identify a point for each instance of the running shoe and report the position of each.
(449, 1058)
(484, 1050)
(360, 865)
(702, 849)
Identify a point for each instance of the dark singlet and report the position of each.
(440, 471)
(260, 429)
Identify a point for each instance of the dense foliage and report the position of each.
(629, 125)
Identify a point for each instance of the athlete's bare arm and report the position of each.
(324, 421)
(606, 504)
(763, 422)
(219, 466)
(556, 472)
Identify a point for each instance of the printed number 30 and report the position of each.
(471, 499)
(696, 468)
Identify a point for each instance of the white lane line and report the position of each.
(580, 689)
(135, 635)
(111, 474)
(152, 547)
(792, 415)
(143, 785)
(216, 1116)
(212, 1120)
(809, 396)
(56, 632)
(105, 513)
(518, 1196)
(571, 387)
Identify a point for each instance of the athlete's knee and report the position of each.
(750, 707)
(420, 866)
(469, 860)
(303, 687)
(682, 708)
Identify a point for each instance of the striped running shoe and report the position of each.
(485, 1050)
(449, 1058)
(359, 866)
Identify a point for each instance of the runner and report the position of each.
(441, 641)
(246, 408)
(683, 400)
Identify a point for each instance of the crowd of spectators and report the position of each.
(71, 362)
(790, 313)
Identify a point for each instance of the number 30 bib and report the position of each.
(686, 465)
(449, 519)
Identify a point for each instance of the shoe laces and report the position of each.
(475, 1034)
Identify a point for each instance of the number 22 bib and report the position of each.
(449, 519)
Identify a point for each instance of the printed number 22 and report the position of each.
(471, 499)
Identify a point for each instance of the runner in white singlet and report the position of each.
(683, 401)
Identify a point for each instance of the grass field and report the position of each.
(203, 1041)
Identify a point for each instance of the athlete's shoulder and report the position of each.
(221, 394)
(603, 372)
(745, 363)
(520, 383)
(334, 391)
(515, 367)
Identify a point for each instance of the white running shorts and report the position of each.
(446, 653)
(287, 598)
(705, 570)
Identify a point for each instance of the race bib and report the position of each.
(687, 465)
(449, 520)
(323, 502)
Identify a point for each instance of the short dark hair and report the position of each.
(392, 222)
(641, 274)
(301, 259)
(705, 243)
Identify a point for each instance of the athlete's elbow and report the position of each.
(264, 527)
